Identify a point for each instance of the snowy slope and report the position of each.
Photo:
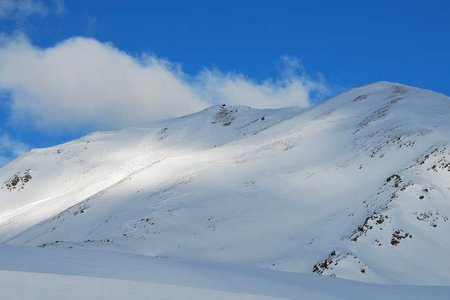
(357, 187)
(30, 273)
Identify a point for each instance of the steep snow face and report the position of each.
(357, 187)
(45, 182)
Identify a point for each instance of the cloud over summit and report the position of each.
(84, 83)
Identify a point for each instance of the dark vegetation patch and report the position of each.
(225, 116)
(333, 259)
(18, 181)
(399, 235)
(432, 218)
(108, 241)
(79, 209)
(360, 98)
(50, 244)
(369, 223)
(163, 134)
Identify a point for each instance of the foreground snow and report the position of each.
(30, 273)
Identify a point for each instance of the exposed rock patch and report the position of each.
(18, 181)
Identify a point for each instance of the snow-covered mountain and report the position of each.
(357, 187)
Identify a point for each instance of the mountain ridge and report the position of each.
(354, 188)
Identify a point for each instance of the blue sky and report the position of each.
(204, 52)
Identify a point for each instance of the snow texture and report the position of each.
(235, 202)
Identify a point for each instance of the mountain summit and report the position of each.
(357, 187)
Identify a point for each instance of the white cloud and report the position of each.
(83, 83)
(10, 148)
(292, 90)
(21, 9)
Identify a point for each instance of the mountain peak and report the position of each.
(355, 187)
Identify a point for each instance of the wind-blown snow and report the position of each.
(356, 188)
(30, 273)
